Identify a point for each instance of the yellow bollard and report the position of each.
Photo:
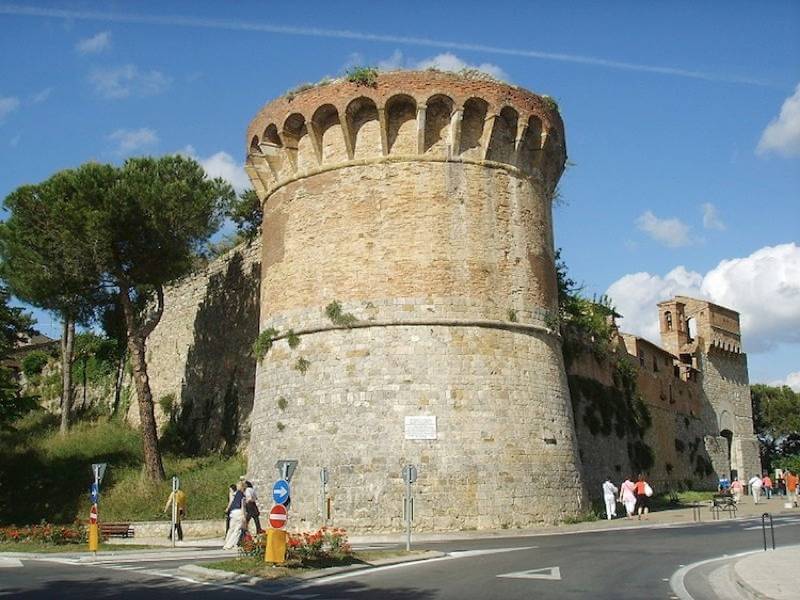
(276, 546)
(93, 537)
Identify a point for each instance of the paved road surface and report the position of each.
(612, 564)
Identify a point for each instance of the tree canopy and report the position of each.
(115, 236)
(14, 325)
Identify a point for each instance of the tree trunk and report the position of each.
(137, 337)
(152, 455)
(119, 380)
(67, 345)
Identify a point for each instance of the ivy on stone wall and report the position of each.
(617, 409)
(342, 319)
(263, 343)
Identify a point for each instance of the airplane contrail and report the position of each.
(232, 25)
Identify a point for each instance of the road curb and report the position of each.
(218, 575)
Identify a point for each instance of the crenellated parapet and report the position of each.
(408, 115)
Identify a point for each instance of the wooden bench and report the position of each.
(116, 530)
(723, 502)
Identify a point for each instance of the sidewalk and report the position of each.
(661, 518)
(773, 575)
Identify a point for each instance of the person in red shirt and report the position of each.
(792, 482)
(643, 492)
(766, 483)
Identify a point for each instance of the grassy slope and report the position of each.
(45, 476)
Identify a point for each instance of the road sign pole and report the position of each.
(410, 476)
(323, 481)
(174, 509)
(94, 534)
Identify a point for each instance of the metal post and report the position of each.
(409, 508)
(97, 487)
(173, 533)
(323, 480)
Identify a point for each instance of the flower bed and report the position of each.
(45, 533)
(304, 548)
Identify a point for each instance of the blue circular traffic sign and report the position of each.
(280, 491)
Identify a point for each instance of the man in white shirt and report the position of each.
(755, 487)
(610, 498)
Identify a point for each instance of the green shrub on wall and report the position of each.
(34, 362)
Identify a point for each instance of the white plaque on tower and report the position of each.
(422, 427)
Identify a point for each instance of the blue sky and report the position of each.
(683, 120)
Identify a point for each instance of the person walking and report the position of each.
(627, 495)
(180, 499)
(231, 494)
(610, 498)
(766, 483)
(792, 486)
(755, 487)
(236, 511)
(737, 489)
(251, 507)
(643, 492)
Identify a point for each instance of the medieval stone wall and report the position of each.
(676, 435)
(200, 352)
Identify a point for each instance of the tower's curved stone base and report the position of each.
(505, 449)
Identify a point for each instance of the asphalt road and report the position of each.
(631, 563)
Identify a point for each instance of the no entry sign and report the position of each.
(93, 515)
(277, 517)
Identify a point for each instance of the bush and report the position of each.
(366, 76)
(326, 544)
(34, 362)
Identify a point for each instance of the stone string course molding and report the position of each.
(423, 207)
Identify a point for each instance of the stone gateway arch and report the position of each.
(408, 271)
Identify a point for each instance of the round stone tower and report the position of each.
(408, 280)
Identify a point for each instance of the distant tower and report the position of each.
(408, 244)
(708, 337)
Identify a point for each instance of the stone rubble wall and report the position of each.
(200, 352)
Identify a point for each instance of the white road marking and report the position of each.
(469, 553)
(8, 563)
(550, 573)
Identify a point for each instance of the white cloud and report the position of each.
(94, 44)
(131, 140)
(41, 96)
(221, 164)
(446, 61)
(711, 218)
(782, 135)
(763, 287)
(792, 380)
(128, 80)
(8, 104)
(670, 232)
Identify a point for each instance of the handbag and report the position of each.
(648, 491)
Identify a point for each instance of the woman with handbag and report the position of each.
(643, 492)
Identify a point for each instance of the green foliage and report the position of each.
(641, 456)
(702, 466)
(168, 404)
(55, 471)
(263, 343)
(586, 325)
(550, 103)
(292, 339)
(302, 365)
(366, 76)
(334, 312)
(34, 362)
(512, 315)
(95, 357)
(282, 403)
(14, 324)
(679, 445)
(280, 426)
(247, 213)
(791, 462)
(776, 419)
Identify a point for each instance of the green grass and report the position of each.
(46, 476)
(257, 567)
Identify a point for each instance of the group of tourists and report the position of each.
(241, 509)
(635, 497)
(786, 484)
